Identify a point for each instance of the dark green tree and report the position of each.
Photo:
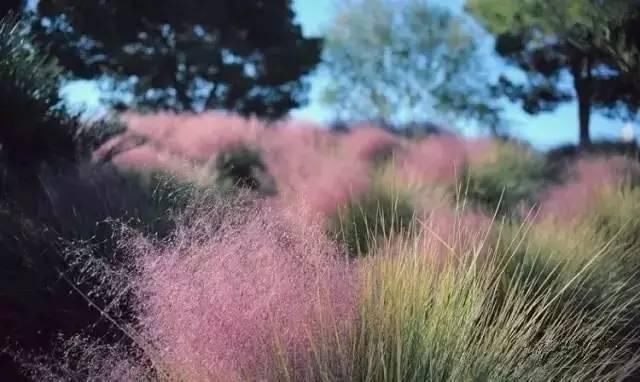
(616, 30)
(554, 43)
(246, 56)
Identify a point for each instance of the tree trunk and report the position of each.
(582, 79)
(584, 113)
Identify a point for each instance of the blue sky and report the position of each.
(543, 131)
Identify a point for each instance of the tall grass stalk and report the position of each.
(422, 318)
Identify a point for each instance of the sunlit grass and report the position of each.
(465, 317)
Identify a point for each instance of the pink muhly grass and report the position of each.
(156, 127)
(310, 170)
(288, 141)
(307, 132)
(233, 282)
(336, 182)
(434, 160)
(83, 359)
(119, 143)
(147, 157)
(370, 143)
(587, 178)
(196, 136)
(481, 150)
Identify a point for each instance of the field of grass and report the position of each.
(214, 248)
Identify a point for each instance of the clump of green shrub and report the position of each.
(35, 125)
(381, 212)
(91, 135)
(242, 166)
(597, 148)
(512, 176)
(53, 199)
(83, 207)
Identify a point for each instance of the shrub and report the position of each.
(420, 130)
(92, 135)
(506, 179)
(242, 166)
(609, 148)
(381, 212)
(48, 201)
(39, 284)
(35, 127)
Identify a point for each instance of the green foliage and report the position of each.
(502, 183)
(248, 57)
(162, 197)
(380, 213)
(242, 166)
(82, 209)
(546, 39)
(615, 25)
(91, 135)
(395, 60)
(35, 128)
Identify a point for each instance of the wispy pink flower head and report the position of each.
(147, 157)
(434, 160)
(370, 143)
(196, 136)
(587, 177)
(217, 303)
(311, 169)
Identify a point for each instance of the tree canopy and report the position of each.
(246, 56)
(389, 60)
(616, 30)
(556, 45)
